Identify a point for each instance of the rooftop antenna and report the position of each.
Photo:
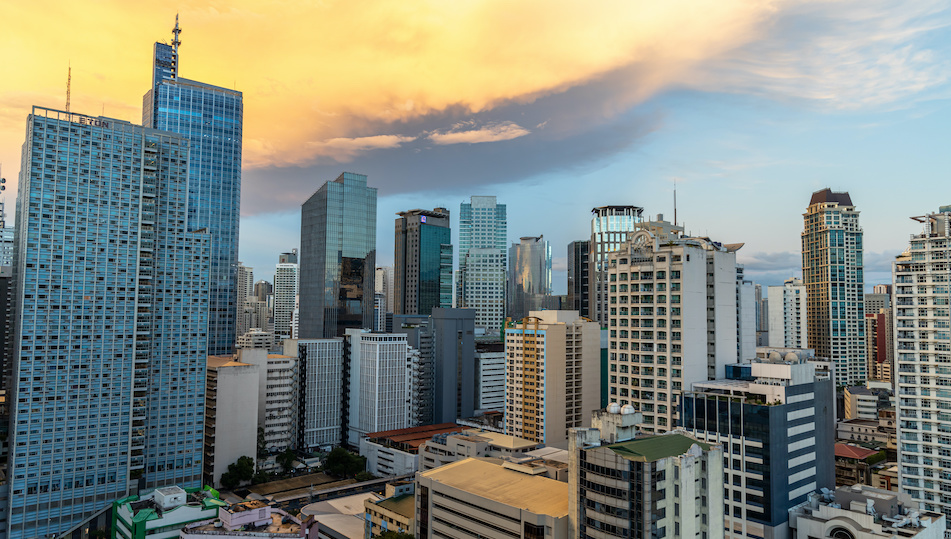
(675, 201)
(69, 81)
(175, 32)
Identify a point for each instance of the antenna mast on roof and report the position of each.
(175, 32)
(69, 80)
(675, 201)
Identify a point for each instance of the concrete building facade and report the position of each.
(788, 314)
(286, 287)
(552, 375)
(231, 413)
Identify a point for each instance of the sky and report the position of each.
(747, 107)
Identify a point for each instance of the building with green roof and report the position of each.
(163, 512)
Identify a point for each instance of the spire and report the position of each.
(69, 81)
(175, 32)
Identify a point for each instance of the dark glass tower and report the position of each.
(210, 117)
(578, 267)
(338, 258)
(423, 262)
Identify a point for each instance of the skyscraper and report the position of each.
(112, 317)
(286, 286)
(211, 118)
(480, 282)
(787, 314)
(423, 262)
(578, 280)
(922, 277)
(610, 228)
(832, 270)
(529, 286)
(337, 258)
(245, 292)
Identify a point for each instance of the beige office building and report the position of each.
(481, 498)
(552, 380)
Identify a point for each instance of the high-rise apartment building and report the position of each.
(578, 280)
(610, 228)
(552, 375)
(231, 405)
(6, 238)
(422, 276)
(320, 364)
(286, 284)
(490, 372)
(922, 279)
(384, 286)
(832, 271)
(778, 417)
(745, 316)
(111, 320)
(880, 345)
(480, 282)
(529, 281)
(379, 388)
(672, 319)
(788, 314)
(245, 292)
(338, 258)
(211, 118)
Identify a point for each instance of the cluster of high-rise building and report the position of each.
(665, 394)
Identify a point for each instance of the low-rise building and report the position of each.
(396, 511)
(864, 512)
(396, 452)
(861, 430)
(446, 448)
(252, 518)
(161, 513)
(853, 464)
(479, 498)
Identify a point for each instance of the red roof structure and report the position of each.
(853, 451)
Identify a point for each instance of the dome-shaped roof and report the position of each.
(614, 408)
(792, 356)
(774, 356)
(627, 409)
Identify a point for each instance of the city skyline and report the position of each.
(737, 125)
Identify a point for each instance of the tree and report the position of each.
(262, 444)
(342, 462)
(229, 480)
(286, 459)
(261, 476)
(364, 476)
(239, 471)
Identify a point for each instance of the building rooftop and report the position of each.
(861, 422)
(404, 505)
(410, 439)
(215, 362)
(505, 441)
(850, 451)
(858, 390)
(827, 195)
(533, 493)
(651, 448)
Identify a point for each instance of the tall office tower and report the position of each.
(480, 282)
(672, 319)
(211, 118)
(6, 239)
(286, 287)
(337, 258)
(654, 486)
(610, 228)
(778, 416)
(554, 375)
(880, 345)
(745, 316)
(384, 285)
(762, 315)
(921, 278)
(422, 276)
(263, 290)
(578, 283)
(444, 378)
(788, 314)
(321, 393)
(529, 286)
(379, 391)
(111, 320)
(245, 292)
(832, 270)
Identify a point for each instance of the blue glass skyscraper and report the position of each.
(423, 262)
(210, 117)
(111, 316)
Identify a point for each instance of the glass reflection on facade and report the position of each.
(211, 118)
(338, 258)
(529, 286)
(423, 262)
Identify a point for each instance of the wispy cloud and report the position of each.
(343, 149)
(489, 133)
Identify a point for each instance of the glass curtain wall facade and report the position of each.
(529, 285)
(832, 270)
(211, 118)
(338, 258)
(611, 226)
(578, 282)
(423, 262)
(480, 282)
(111, 321)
